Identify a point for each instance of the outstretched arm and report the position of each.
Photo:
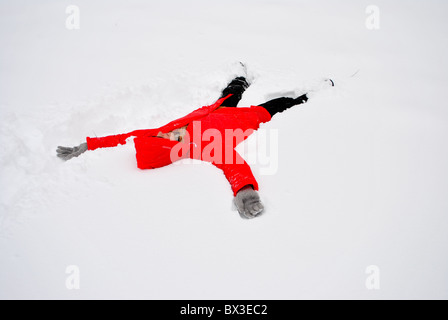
(67, 153)
(244, 186)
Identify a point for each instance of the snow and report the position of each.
(362, 177)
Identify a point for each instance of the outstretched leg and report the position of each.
(236, 87)
(281, 104)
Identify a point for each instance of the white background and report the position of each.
(362, 176)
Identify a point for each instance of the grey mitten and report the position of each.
(248, 203)
(67, 153)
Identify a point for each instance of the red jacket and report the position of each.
(155, 152)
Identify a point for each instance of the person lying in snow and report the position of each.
(160, 147)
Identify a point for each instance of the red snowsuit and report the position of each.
(156, 152)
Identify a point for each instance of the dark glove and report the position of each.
(67, 153)
(248, 203)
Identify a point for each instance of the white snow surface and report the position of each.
(362, 177)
